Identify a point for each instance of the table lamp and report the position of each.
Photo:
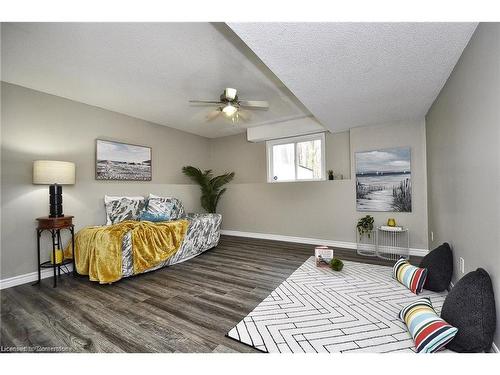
(55, 174)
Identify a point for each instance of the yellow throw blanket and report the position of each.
(98, 250)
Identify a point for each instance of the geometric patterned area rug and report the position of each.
(319, 310)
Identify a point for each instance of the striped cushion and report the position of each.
(410, 276)
(429, 332)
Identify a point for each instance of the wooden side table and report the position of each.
(54, 226)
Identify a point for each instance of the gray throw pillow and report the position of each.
(439, 264)
(470, 306)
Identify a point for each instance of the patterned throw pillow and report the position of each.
(109, 198)
(175, 212)
(429, 332)
(410, 276)
(124, 209)
(160, 206)
(148, 216)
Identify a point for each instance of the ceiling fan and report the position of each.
(230, 105)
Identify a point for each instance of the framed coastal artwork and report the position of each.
(122, 161)
(383, 180)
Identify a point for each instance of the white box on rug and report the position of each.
(323, 256)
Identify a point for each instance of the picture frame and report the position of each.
(383, 180)
(119, 161)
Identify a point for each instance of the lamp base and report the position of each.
(55, 199)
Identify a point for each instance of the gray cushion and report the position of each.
(470, 306)
(439, 264)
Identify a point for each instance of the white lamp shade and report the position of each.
(48, 172)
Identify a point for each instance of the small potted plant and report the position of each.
(365, 225)
(330, 174)
(336, 264)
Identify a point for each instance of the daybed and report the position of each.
(128, 246)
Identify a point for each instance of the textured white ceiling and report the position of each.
(146, 70)
(354, 74)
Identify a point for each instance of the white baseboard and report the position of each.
(28, 277)
(307, 240)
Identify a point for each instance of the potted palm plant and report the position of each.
(210, 185)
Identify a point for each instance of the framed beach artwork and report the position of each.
(122, 161)
(383, 180)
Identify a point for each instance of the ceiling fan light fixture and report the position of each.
(230, 93)
(229, 110)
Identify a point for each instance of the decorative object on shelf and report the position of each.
(59, 257)
(338, 177)
(330, 174)
(393, 243)
(383, 180)
(336, 264)
(54, 225)
(122, 161)
(54, 173)
(391, 222)
(323, 256)
(211, 187)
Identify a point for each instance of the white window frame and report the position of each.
(295, 140)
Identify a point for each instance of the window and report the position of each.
(296, 159)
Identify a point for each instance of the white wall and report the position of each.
(41, 126)
(463, 152)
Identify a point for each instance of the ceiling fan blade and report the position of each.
(205, 102)
(260, 104)
(244, 115)
(213, 114)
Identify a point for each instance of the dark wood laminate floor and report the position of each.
(188, 307)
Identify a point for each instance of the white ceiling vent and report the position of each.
(284, 129)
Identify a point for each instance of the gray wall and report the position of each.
(41, 126)
(463, 153)
(323, 210)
